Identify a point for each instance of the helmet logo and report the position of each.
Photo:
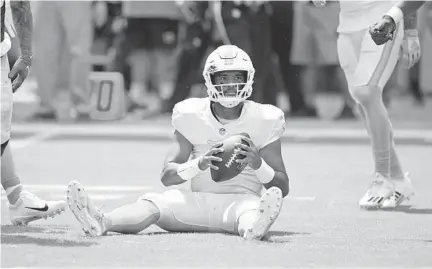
(229, 61)
(212, 68)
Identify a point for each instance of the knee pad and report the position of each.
(364, 94)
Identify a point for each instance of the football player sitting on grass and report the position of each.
(243, 197)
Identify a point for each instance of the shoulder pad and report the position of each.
(275, 118)
(190, 106)
(186, 112)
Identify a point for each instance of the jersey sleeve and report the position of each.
(276, 125)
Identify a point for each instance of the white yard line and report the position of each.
(112, 192)
(107, 188)
(95, 197)
(34, 139)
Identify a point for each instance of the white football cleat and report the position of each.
(29, 208)
(404, 190)
(380, 190)
(269, 209)
(90, 217)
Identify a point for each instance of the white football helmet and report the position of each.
(228, 58)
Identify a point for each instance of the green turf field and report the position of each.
(320, 224)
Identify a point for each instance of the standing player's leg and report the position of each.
(6, 99)
(23, 205)
(349, 50)
(376, 64)
(10, 182)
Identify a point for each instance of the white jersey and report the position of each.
(194, 119)
(360, 15)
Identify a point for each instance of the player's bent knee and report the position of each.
(150, 196)
(152, 200)
(365, 94)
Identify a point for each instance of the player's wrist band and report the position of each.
(189, 170)
(265, 173)
(396, 13)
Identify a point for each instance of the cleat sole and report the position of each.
(269, 209)
(77, 202)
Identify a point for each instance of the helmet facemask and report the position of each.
(229, 95)
(229, 58)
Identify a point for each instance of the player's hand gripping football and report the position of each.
(383, 31)
(206, 160)
(411, 48)
(19, 72)
(253, 157)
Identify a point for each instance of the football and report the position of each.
(228, 167)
